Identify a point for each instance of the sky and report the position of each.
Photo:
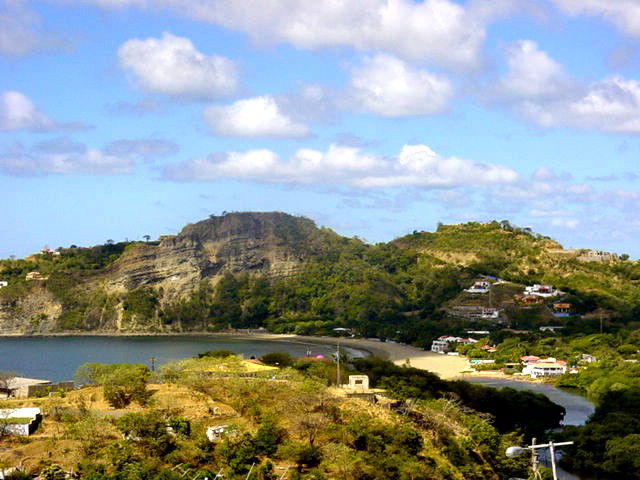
(126, 118)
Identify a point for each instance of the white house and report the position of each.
(479, 287)
(439, 346)
(544, 291)
(545, 367)
(4, 283)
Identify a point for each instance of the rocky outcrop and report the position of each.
(35, 313)
(271, 243)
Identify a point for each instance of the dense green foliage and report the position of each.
(122, 383)
(511, 409)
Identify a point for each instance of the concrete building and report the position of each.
(19, 421)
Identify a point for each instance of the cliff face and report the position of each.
(273, 243)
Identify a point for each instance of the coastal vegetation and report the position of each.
(282, 274)
(292, 421)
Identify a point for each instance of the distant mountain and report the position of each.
(284, 273)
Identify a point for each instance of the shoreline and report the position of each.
(446, 366)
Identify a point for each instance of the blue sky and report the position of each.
(122, 118)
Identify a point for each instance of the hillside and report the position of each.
(274, 270)
(288, 424)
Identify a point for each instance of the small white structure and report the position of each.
(4, 283)
(215, 434)
(439, 346)
(479, 287)
(19, 421)
(544, 291)
(357, 382)
(551, 328)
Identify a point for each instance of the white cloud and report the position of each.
(415, 165)
(252, 117)
(624, 14)
(17, 112)
(389, 87)
(532, 73)
(611, 105)
(18, 26)
(539, 89)
(440, 31)
(570, 223)
(65, 156)
(172, 66)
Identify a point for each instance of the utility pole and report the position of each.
(153, 364)
(338, 369)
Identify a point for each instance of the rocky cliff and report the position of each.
(271, 243)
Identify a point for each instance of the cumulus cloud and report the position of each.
(540, 90)
(611, 105)
(440, 31)
(171, 65)
(389, 87)
(253, 117)
(415, 165)
(17, 112)
(624, 14)
(532, 73)
(63, 155)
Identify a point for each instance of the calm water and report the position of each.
(578, 408)
(57, 358)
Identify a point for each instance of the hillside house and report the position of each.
(528, 300)
(479, 287)
(21, 387)
(35, 275)
(551, 328)
(596, 256)
(544, 291)
(4, 283)
(587, 358)
(561, 309)
(48, 251)
(475, 312)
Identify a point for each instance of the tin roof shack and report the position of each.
(19, 421)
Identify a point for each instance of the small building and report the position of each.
(479, 287)
(357, 382)
(22, 387)
(4, 283)
(561, 309)
(587, 358)
(527, 300)
(551, 328)
(439, 346)
(48, 251)
(544, 291)
(35, 275)
(19, 421)
(218, 432)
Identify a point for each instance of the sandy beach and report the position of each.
(446, 366)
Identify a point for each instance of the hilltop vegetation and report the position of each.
(291, 420)
(282, 273)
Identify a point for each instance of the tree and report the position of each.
(146, 237)
(110, 242)
(624, 257)
(122, 384)
(53, 472)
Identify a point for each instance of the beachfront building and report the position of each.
(479, 287)
(543, 367)
(441, 345)
(544, 291)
